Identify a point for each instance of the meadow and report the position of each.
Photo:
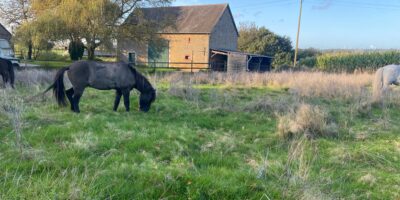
(300, 135)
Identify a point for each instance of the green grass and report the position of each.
(49, 64)
(216, 145)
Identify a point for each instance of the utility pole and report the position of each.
(298, 35)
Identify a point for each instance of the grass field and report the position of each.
(207, 136)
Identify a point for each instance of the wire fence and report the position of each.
(184, 66)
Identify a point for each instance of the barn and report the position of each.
(5, 34)
(201, 36)
(5, 42)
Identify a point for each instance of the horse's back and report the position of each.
(100, 75)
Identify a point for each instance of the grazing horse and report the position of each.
(103, 76)
(7, 72)
(384, 77)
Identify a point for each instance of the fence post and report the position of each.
(191, 66)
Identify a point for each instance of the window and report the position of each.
(132, 58)
(187, 57)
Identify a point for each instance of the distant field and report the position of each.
(208, 136)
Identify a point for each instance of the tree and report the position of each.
(15, 13)
(95, 22)
(259, 40)
(76, 50)
(33, 36)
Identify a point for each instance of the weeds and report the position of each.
(309, 121)
(13, 107)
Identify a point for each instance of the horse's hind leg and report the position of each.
(117, 99)
(76, 98)
(70, 94)
(126, 99)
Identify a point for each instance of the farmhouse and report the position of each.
(5, 41)
(4, 34)
(200, 36)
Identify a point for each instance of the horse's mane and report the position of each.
(142, 84)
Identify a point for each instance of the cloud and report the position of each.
(238, 15)
(326, 4)
(258, 13)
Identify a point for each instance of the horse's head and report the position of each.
(146, 99)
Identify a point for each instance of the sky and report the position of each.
(326, 24)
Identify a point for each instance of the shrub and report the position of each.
(51, 56)
(308, 62)
(307, 120)
(76, 50)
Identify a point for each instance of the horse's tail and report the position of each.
(378, 85)
(58, 87)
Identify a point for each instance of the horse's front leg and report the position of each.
(4, 81)
(126, 99)
(117, 99)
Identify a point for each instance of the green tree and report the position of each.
(95, 22)
(32, 36)
(15, 13)
(259, 40)
(76, 50)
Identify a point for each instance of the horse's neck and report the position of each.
(142, 84)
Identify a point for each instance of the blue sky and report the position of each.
(326, 24)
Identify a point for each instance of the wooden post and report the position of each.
(298, 35)
(191, 66)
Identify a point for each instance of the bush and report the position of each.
(51, 56)
(282, 59)
(76, 49)
(307, 120)
(309, 62)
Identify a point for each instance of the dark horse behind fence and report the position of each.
(7, 72)
(103, 76)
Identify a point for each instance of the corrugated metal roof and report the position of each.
(239, 52)
(187, 19)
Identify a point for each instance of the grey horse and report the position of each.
(117, 76)
(384, 77)
(7, 72)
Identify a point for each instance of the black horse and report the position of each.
(103, 76)
(7, 72)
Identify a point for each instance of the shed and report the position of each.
(235, 61)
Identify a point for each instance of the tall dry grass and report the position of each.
(35, 77)
(306, 121)
(12, 106)
(306, 84)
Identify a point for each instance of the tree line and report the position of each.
(88, 25)
(38, 24)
